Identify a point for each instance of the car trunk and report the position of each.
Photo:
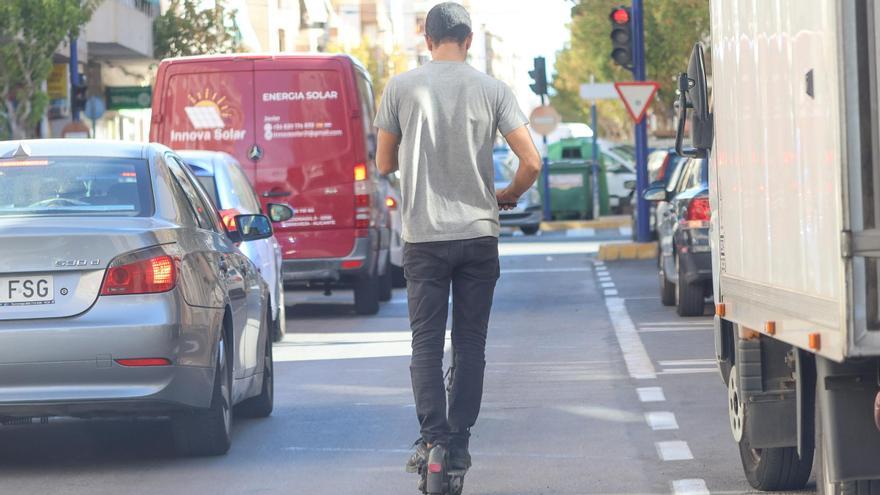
(53, 267)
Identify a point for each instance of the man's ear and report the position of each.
(429, 43)
(468, 41)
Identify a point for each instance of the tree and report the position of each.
(185, 29)
(30, 33)
(381, 66)
(671, 29)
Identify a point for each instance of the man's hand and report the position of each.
(507, 199)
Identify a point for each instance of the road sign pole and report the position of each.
(545, 176)
(641, 130)
(594, 118)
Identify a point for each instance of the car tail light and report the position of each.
(362, 198)
(698, 209)
(228, 217)
(391, 203)
(144, 362)
(144, 276)
(352, 264)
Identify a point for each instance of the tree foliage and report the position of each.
(381, 66)
(187, 29)
(30, 33)
(671, 29)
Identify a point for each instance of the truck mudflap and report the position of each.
(848, 391)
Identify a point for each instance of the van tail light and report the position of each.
(698, 209)
(362, 197)
(228, 217)
(149, 275)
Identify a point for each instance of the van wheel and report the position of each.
(689, 298)
(208, 432)
(366, 295)
(667, 288)
(385, 282)
(772, 469)
(261, 406)
(530, 229)
(398, 281)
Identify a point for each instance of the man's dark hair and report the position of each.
(448, 21)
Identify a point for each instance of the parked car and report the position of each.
(685, 261)
(662, 169)
(528, 213)
(301, 126)
(123, 294)
(232, 194)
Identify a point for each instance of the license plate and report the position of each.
(34, 289)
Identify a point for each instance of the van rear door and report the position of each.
(305, 111)
(208, 106)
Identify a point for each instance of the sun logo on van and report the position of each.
(207, 110)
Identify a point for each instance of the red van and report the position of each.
(302, 128)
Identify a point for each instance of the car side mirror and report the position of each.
(629, 184)
(253, 227)
(655, 193)
(279, 212)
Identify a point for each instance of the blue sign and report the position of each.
(95, 108)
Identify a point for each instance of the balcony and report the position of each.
(122, 30)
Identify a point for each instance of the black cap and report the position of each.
(448, 21)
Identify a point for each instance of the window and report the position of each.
(204, 213)
(243, 190)
(78, 186)
(282, 43)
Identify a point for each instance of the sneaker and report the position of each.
(419, 457)
(459, 457)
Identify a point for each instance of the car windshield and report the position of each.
(625, 151)
(74, 186)
(201, 169)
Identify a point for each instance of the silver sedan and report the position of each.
(121, 293)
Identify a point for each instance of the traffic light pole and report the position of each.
(74, 79)
(641, 129)
(545, 176)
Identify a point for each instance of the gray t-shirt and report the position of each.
(447, 115)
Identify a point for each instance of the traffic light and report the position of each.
(621, 37)
(78, 96)
(539, 75)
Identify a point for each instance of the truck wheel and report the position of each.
(771, 469)
(667, 288)
(823, 485)
(208, 432)
(385, 283)
(530, 229)
(689, 298)
(398, 281)
(366, 295)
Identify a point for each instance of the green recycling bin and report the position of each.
(570, 149)
(571, 190)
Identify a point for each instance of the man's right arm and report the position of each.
(530, 163)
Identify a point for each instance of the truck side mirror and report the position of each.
(693, 94)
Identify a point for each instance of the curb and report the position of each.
(627, 251)
(612, 222)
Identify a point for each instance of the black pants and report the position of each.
(471, 267)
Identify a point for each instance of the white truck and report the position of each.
(792, 129)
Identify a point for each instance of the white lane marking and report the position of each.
(651, 394)
(687, 371)
(545, 248)
(676, 324)
(547, 270)
(610, 292)
(625, 231)
(638, 363)
(689, 362)
(675, 450)
(673, 329)
(661, 420)
(604, 278)
(404, 300)
(602, 413)
(690, 487)
(607, 285)
(598, 262)
(585, 232)
(403, 451)
(345, 345)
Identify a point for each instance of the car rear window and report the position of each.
(75, 186)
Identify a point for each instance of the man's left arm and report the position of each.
(386, 152)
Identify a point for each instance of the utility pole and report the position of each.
(74, 80)
(594, 123)
(641, 129)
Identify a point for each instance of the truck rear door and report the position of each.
(304, 114)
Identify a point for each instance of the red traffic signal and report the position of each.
(620, 15)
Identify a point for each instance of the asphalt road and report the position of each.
(592, 387)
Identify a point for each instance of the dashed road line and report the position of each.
(690, 487)
(610, 292)
(651, 394)
(606, 284)
(661, 420)
(638, 363)
(674, 450)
